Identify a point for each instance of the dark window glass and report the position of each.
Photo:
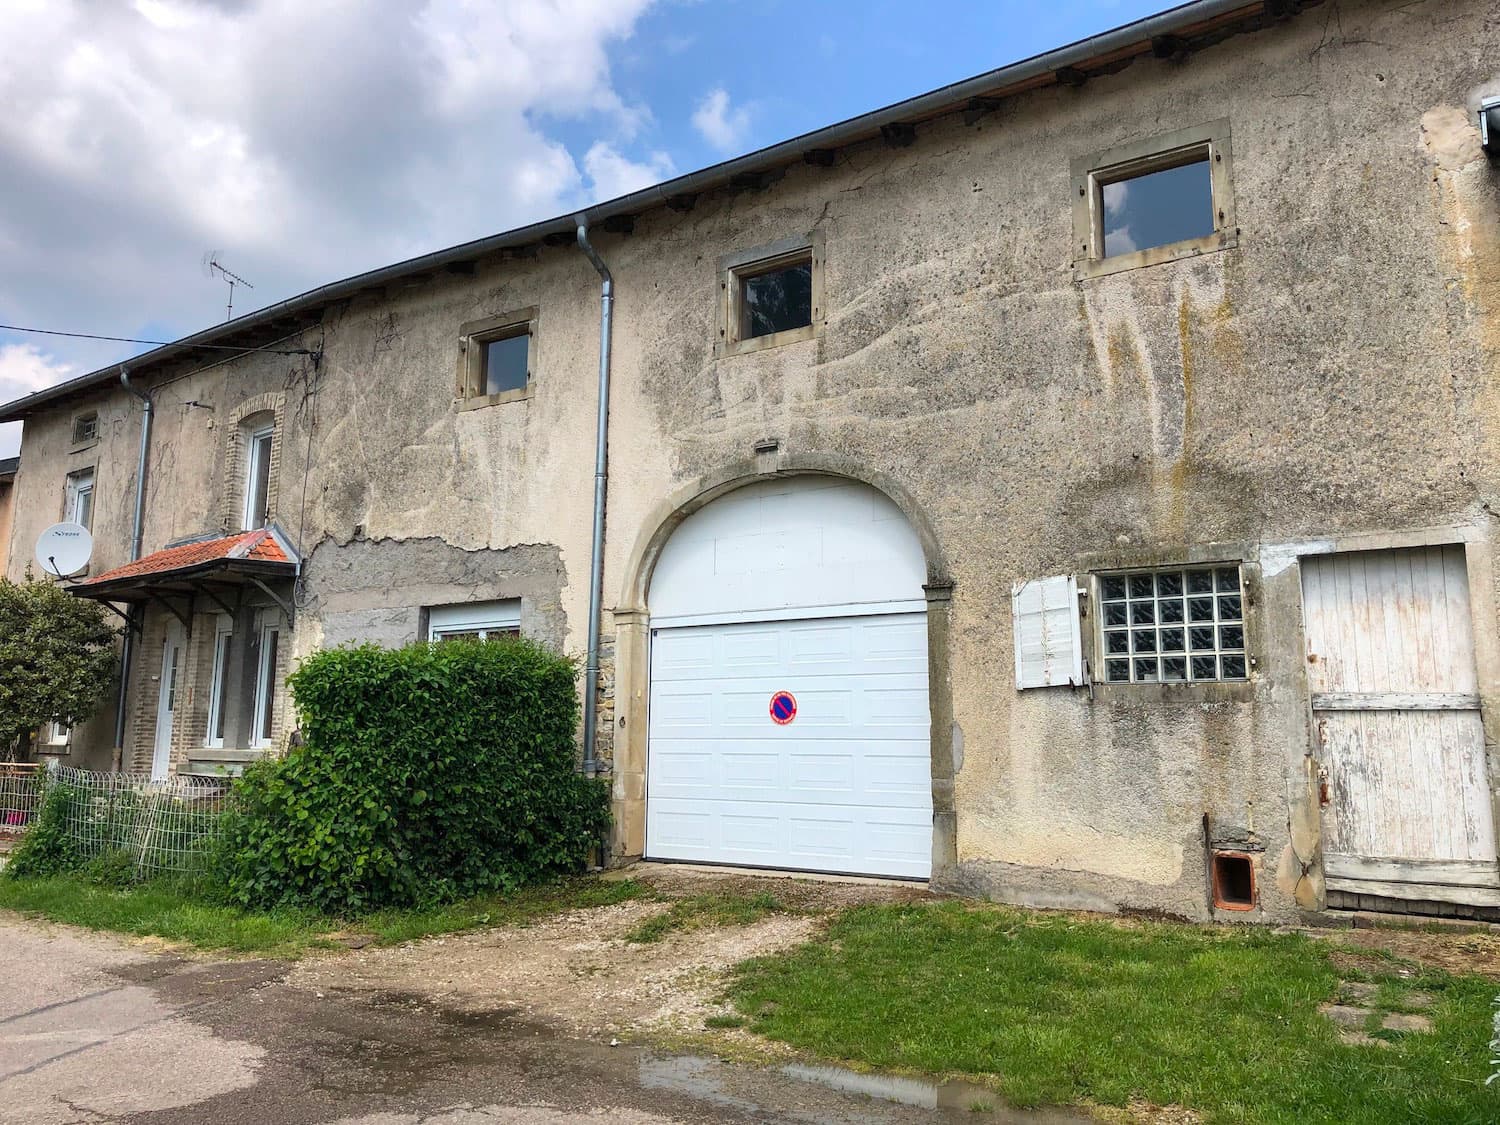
(1169, 585)
(1200, 581)
(1171, 612)
(1200, 609)
(1229, 608)
(1201, 637)
(1145, 669)
(776, 301)
(1174, 668)
(505, 364)
(268, 704)
(1231, 636)
(1142, 613)
(1113, 586)
(1234, 667)
(225, 640)
(1171, 640)
(1145, 640)
(1203, 667)
(1229, 579)
(1117, 671)
(1140, 585)
(1114, 614)
(1158, 208)
(1117, 642)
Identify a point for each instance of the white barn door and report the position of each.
(1390, 664)
(789, 720)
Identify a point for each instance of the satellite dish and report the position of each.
(64, 549)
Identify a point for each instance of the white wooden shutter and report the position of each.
(1049, 639)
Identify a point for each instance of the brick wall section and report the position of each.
(604, 744)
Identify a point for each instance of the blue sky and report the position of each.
(140, 136)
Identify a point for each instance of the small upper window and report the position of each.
(480, 621)
(78, 504)
(1154, 201)
(1178, 625)
(85, 429)
(258, 476)
(778, 299)
(498, 358)
(1158, 208)
(771, 295)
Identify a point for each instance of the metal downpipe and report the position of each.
(135, 553)
(601, 476)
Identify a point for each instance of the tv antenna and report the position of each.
(212, 268)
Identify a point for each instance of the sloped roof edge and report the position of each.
(1118, 45)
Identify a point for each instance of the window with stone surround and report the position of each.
(1173, 625)
(497, 358)
(771, 295)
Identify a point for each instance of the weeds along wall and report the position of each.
(427, 773)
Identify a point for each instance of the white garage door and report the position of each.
(842, 783)
(812, 587)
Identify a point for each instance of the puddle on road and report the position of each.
(777, 1089)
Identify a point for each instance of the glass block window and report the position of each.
(1173, 626)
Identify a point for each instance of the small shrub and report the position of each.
(48, 848)
(427, 774)
(114, 868)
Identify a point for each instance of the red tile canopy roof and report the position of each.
(256, 552)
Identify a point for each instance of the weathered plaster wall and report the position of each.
(1330, 376)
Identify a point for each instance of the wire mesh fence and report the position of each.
(20, 793)
(162, 826)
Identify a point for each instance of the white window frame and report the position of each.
(265, 685)
(258, 445)
(1103, 657)
(57, 734)
(478, 618)
(79, 495)
(223, 638)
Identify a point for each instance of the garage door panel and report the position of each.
(845, 786)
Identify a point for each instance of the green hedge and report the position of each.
(427, 773)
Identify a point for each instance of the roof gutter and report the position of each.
(601, 489)
(126, 649)
(1122, 43)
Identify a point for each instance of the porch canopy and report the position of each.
(209, 574)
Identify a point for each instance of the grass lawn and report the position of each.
(168, 911)
(1059, 1010)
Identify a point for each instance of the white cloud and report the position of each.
(721, 126)
(1114, 196)
(611, 174)
(305, 141)
(25, 368)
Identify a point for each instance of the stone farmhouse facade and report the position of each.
(1075, 486)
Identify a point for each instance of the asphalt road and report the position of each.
(96, 1030)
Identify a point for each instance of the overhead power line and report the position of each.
(157, 343)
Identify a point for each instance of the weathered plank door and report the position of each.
(1390, 664)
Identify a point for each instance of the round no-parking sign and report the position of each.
(783, 708)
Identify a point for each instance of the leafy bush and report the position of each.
(57, 657)
(47, 848)
(428, 773)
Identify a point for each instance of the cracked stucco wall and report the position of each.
(1331, 377)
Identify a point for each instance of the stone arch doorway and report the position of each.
(753, 584)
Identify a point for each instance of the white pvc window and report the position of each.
(258, 477)
(1171, 626)
(57, 734)
(264, 712)
(481, 621)
(78, 506)
(218, 688)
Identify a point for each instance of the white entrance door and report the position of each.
(1390, 663)
(789, 721)
(166, 702)
(796, 744)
